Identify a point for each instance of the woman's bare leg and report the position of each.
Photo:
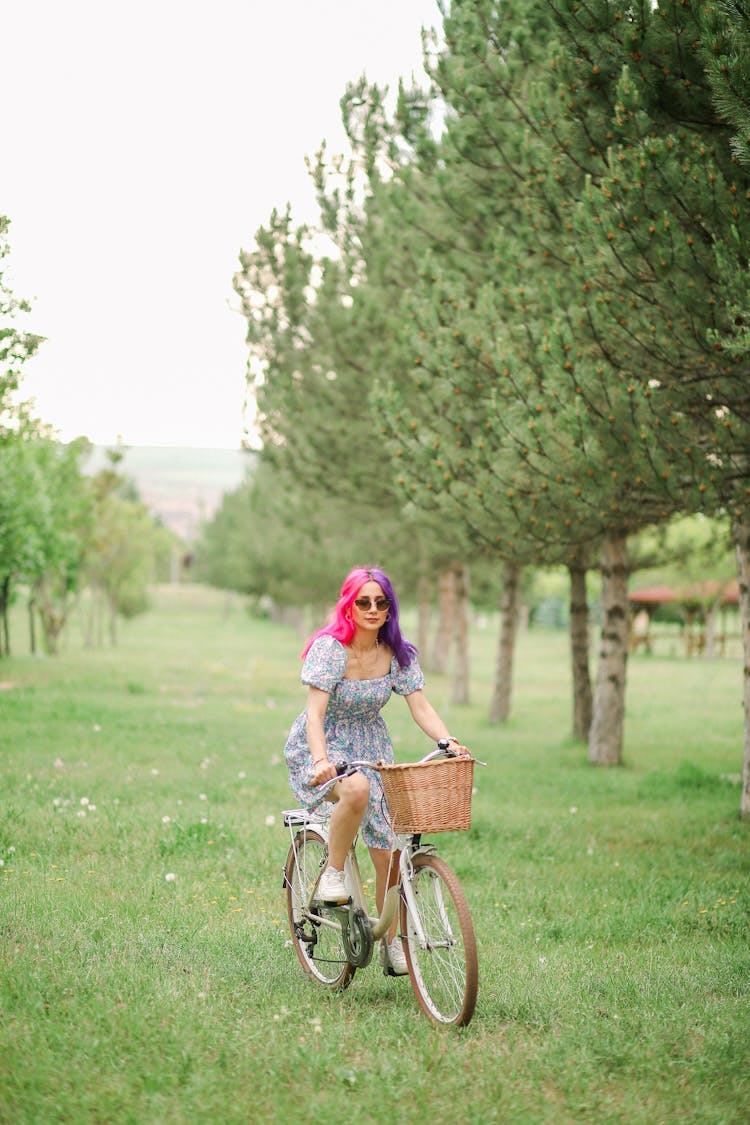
(385, 863)
(351, 796)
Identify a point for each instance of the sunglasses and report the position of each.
(381, 604)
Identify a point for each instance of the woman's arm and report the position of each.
(427, 718)
(317, 703)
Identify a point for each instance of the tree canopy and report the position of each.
(526, 326)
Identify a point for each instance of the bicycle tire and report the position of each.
(444, 972)
(323, 958)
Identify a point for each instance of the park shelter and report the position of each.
(703, 605)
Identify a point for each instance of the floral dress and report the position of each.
(353, 726)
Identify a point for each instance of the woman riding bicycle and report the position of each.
(351, 667)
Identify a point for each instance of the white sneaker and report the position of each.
(396, 957)
(332, 886)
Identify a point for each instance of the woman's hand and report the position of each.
(460, 751)
(323, 771)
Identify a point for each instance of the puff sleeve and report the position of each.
(406, 680)
(325, 664)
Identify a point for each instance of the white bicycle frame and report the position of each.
(405, 845)
(380, 924)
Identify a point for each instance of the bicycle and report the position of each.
(332, 940)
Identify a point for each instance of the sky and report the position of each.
(143, 146)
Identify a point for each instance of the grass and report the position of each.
(611, 906)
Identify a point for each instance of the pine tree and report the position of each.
(597, 370)
(320, 327)
(471, 430)
(666, 234)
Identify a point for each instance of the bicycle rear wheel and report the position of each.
(319, 946)
(443, 969)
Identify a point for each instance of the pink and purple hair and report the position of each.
(341, 626)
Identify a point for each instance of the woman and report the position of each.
(351, 666)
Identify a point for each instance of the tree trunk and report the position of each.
(52, 619)
(461, 672)
(174, 565)
(32, 624)
(606, 736)
(742, 542)
(112, 617)
(294, 616)
(423, 617)
(500, 705)
(4, 600)
(711, 613)
(446, 622)
(98, 633)
(579, 649)
(88, 618)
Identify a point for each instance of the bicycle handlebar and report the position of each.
(443, 747)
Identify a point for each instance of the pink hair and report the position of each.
(341, 625)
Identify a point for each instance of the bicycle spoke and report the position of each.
(322, 957)
(444, 969)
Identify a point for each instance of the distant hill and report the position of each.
(183, 487)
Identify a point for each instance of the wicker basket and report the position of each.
(429, 796)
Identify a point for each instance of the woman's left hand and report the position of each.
(457, 749)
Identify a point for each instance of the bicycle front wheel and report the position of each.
(316, 936)
(443, 963)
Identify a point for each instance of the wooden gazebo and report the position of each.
(700, 601)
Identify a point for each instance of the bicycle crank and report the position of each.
(356, 933)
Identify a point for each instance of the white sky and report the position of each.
(143, 145)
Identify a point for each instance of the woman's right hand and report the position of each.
(323, 771)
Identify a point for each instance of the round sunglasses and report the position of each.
(381, 604)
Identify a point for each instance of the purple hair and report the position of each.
(341, 626)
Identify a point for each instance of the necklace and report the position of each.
(360, 652)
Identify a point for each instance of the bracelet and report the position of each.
(317, 761)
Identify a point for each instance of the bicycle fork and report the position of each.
(414, 913)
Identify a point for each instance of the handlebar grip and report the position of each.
(444, 744)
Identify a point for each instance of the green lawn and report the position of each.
(611, 906)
